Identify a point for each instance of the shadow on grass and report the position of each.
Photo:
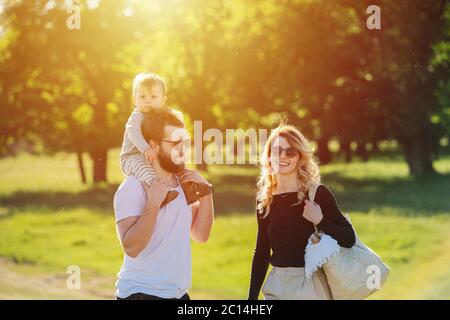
(426, 195)
(235, 193)
(99, 198)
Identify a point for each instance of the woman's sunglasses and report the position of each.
(289, 152)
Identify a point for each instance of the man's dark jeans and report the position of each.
(143, 296)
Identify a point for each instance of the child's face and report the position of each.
(148, 98)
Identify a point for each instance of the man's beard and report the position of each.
(167, 164)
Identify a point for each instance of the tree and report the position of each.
(405, 75)
(72, 82)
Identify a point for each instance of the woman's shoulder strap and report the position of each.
(312, 191)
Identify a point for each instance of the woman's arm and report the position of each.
(261, 259)
(333, 222)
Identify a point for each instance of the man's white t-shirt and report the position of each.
(163, 268)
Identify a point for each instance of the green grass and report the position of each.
(48, 221)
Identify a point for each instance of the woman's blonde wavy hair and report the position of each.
(308, 173)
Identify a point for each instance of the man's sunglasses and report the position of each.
(289, 152)
(186, 143)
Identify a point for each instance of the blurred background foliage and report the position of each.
(230, 64)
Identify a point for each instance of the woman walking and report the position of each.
(285, 219)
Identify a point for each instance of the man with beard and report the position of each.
(155, 240)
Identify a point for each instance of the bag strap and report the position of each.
(312, 191)
(311, 195)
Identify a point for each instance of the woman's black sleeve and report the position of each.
(333, 222)
(261, 258)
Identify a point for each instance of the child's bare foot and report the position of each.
(171, 195)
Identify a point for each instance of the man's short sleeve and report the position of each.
(130, 199)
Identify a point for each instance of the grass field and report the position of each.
(49, 220)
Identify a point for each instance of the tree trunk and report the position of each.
(323, 152)
(81, 166)
(346, 150)
(202, 167)
(375, 147)
(418, 156)
(99, 159)
(362, 152)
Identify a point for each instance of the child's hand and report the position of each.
(150, 155)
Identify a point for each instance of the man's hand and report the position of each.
(150, 154)
(156, 192)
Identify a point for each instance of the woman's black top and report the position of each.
(286, 233)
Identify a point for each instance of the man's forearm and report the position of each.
(138, 236)
(204, 219)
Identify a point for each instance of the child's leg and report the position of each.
(139, 167)
(123, 166)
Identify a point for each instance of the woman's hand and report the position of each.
(312, 212)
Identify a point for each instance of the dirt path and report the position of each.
(28, 281)
(429, 279)
(23, 281)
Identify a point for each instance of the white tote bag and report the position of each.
(352, 273)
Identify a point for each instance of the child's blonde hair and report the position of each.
(147, 80)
